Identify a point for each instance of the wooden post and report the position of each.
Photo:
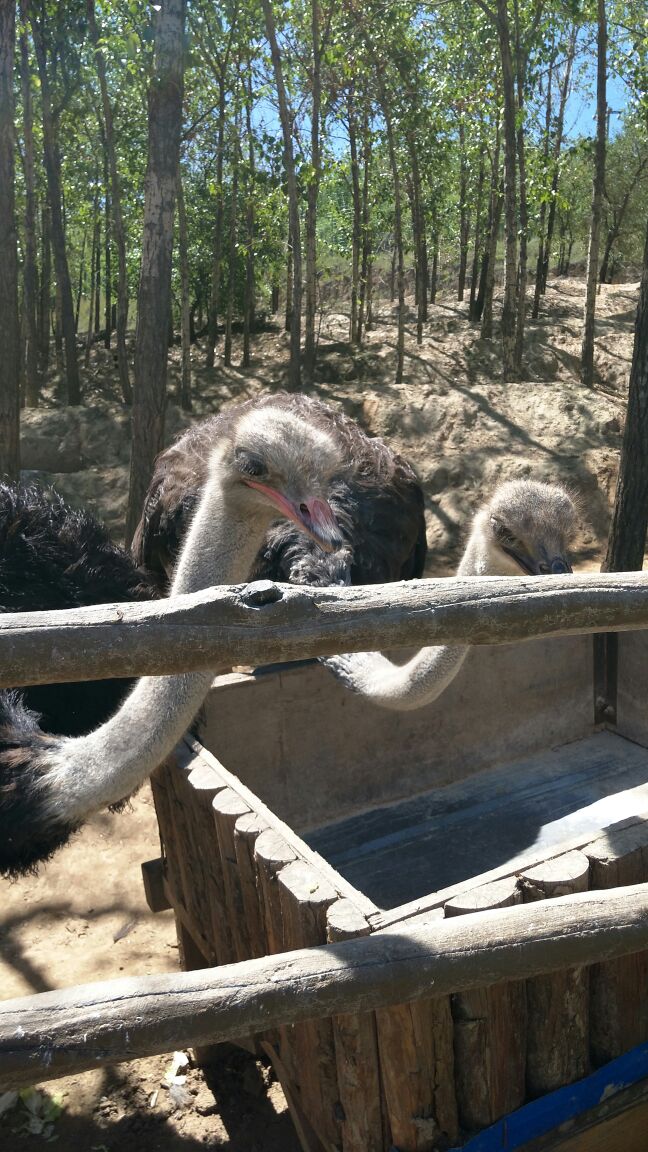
(618, 1004)
(227, 806)
(247, 829)
(417, 1068)
(557, 1005)
(305, 897)
(206, 785)
(356, 1050)
(489, 1028)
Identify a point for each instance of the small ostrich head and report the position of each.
(527, 526)
(284, 461)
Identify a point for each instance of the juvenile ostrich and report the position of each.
(54, 556)
(375, 497)
(270, 463)
(526, 527)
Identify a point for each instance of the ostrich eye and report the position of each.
(502, 534)
(249, 463)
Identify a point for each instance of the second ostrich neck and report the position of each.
(106, 765)
(423, 678)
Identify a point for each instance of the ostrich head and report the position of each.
(527, 526)
(274, 457)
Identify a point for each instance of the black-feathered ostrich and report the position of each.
(53, 556)
(375, 497)
(526, 527)
(269, 461)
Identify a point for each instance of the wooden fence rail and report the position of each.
(264, 622)
(72, 1030)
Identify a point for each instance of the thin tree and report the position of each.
(154, 296)
(9, 320)
(184, 395)
(117, 217)
(30, 268)
(589, 316)
(627, 539)
(54, 185)
(294, 369)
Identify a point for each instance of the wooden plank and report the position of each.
(356, 1051)
(420, 908)
(557, 1005)
(247, 829)
(195, 750)
(489, 1028)
(227, 806)
(205, 784)
(56, 1033)
(305, 898)
(619, 1004)
(153, 881)
(448, 835)
(222, 626)
(416, 1060)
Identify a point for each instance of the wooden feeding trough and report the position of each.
(302, 815)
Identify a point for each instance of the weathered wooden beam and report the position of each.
(75, 1029)
(263, 622)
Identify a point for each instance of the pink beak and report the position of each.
(314, 517)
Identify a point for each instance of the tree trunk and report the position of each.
(45, 294)
(485, 306)
(154, 296)
(294, 371)
(53, 170)
(30, 270)
(77, 307)
(217, 249)
(587, 349)
(509, 307)
(364, 296)
(91, 285)
(312, 193)
(249, 288)
(97, 282)
(523, 214)
(107, 262)
(420, 242)
(118, 229)
(434, 274)
(232, 250)
(474, 275)
(356, 230)
(9, 318)
(464, 215)
(185, 306)
(398, 229)
(627, 539)
(58, 334)
(289, 285)
(564, 93)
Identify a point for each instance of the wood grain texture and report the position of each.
(73, 1029)
(305, 897)
(356, 1051)
(557, 1004)
(619, 1004)
(489, 1027)
(224, 626)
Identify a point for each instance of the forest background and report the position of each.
(195, 167)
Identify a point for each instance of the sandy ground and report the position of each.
(84, 916)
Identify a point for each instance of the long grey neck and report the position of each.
(106, 765)
(423, 678)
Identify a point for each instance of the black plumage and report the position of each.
(376, 499)
(53, 556)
